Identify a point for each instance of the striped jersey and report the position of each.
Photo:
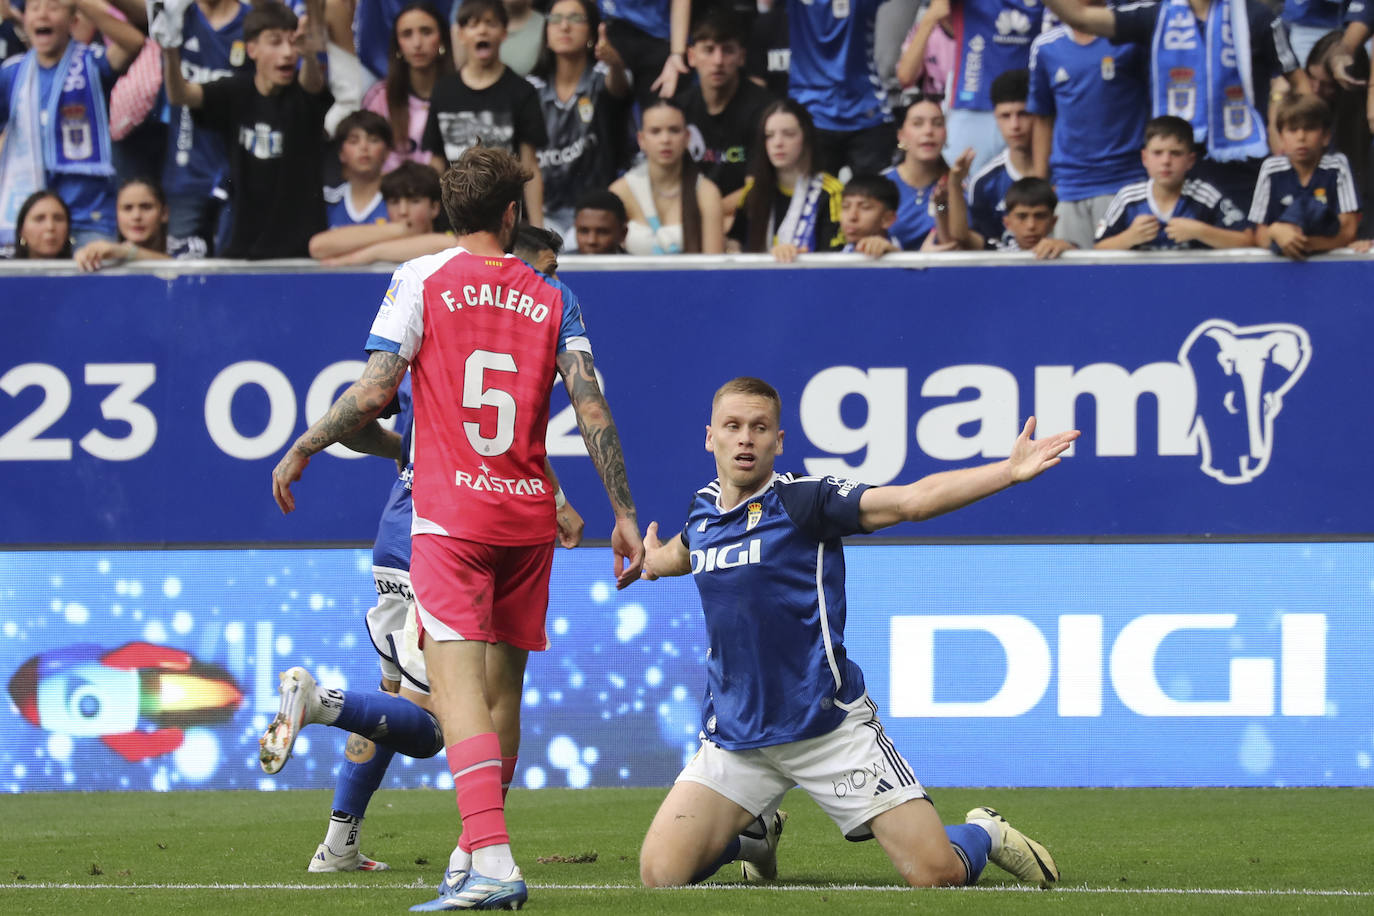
(481, 334)
(770, 572)
(1280, 196)
(1197, 200)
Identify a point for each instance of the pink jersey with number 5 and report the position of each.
(481, 334)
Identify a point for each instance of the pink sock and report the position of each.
(507, 774)
(476, 768)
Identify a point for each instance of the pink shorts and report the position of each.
(481, 592)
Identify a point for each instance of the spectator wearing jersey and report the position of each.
(43, 226)
(420, 56)
(273, 122)
(988, 188)
(53, 113)
(524, 36)
(921, 138)
(412, 194)
(363, 139)
(141, 215)
(991, 37)
(722, 107)
(768, 59)
(1305, 201)
(195, 170)
(1308, 20)
(485, 103)
(1198, 74)
(601, 223)
(868, 210)
(927, 59)
(789, 207)
(1170, 210)
(650, 36)
(672, 209)
(583, 92)
(1090, 99)
(835, 78)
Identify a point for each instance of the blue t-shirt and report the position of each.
(1197, 200)
(91, 198)
(990, 38)
(831, 71)
(914, 219)
(1315, 208)
(197, 160)
(653, 17)
(770, 572)
(391, 549)
(986, 196)
(1099, 97)
(1318, 14)
(339, 211)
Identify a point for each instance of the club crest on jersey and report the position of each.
(1108, 68)
(755, 513)
(585, 109)
(237, 54)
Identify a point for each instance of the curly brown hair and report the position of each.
(480, 186)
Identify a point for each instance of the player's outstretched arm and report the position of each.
(603, 445)
(880, 507)
(359, 405)
(665, 559)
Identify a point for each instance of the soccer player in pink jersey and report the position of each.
(482, 335)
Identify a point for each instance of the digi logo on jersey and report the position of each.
(1218, 401)
(740, 553)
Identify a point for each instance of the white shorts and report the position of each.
(853, 772)
(387, 623)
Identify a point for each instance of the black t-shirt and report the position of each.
(276, 145)
(769, 55)
(505, 114)
(722, 143)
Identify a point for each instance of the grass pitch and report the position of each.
(1121, 851)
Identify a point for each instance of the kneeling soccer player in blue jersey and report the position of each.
(786, 705)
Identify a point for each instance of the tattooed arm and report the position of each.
(603, 445)
(355, 408)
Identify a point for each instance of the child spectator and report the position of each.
(927, 59)
(671, 208)
(788, 206)
(722, 107)
(600, 223)
(1170, 210)
(988, 189)
(44, 228)
(524, 36)
(53, 110)
(412, 194)
(363, 139)
(921, 140)
(141, 213)
(1028, 222)
(485, 103)
(195, 167)
(584, 94)
(420, 56)
(867, 211)
(1090, 98)
(273, 122)
(1305, 201)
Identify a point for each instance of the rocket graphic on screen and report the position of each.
(136, 699)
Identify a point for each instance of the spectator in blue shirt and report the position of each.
(988, 187)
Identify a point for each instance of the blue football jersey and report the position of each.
(1198, 200)
(990, 37)
(391, 549)
(653, 17)
(914, 219)
(986, 193)
(1099, 97)
(832, 72)
(1280, 197)
(339, 209)
(197, 160)
(770, 572)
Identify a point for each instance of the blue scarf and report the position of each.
(70, 135)
(1182, 68)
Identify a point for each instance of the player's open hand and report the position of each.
(570, 526)
(1030, 457)
(287, 472)
(628, 548)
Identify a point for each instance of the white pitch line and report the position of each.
(779, 888)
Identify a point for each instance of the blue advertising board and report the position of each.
(1099, 664)
(1216, 398)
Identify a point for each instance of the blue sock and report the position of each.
(387, 719)
(972, 844)
(358, 781)
(730, 854)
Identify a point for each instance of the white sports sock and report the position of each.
(459, 860)
(327, 706)
(494, 861)
(994, 832)
(342, 836)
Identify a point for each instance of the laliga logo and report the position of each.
(1241, 376)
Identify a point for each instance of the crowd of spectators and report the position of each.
(318, 128)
